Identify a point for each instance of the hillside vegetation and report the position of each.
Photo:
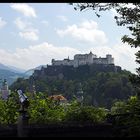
(100, 87)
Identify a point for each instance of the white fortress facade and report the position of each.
(84, 59)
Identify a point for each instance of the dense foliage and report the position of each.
(9, 110)
(9, 75)
(43, 110)
(129, 116)
(86, 114)
(99, 89)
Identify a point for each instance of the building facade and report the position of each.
(84, 59)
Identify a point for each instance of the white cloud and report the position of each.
(26, 30)
(34, 56)
(2, 23)
(89, 25)
(25, 9)
(86, 31)
(21, 24)
(123, 54)
(63, 18)
(29, 35)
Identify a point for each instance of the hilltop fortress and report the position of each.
(83, 65)
(84, 59)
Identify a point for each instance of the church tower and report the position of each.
(5, 90)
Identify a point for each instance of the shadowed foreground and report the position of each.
(61, 130)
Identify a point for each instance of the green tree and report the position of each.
(9, 110)
(130, 116)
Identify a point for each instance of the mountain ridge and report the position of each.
(11, 68)
(31, 71)
(10, 73)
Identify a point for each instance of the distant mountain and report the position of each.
(10, 73)
(15, 69)
(31, 71)
(9, 76)
(4, 67)
(11, 68)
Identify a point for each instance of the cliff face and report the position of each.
(70, 72)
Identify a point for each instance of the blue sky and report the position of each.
(31, 34)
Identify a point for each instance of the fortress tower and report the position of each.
(110, 59)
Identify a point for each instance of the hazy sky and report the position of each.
(31, 34)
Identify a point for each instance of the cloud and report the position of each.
(29, 35)
(63, 18)
(21, 24)
(86, 31)
(26, 30)
(2, 23)
(34, 56)
(25, 9)
(123, 54)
